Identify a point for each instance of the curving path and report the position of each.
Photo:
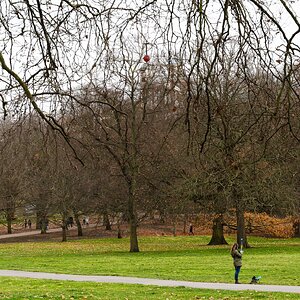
(30, 232)
(157, 282)
(27, 233)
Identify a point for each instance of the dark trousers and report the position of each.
(236, 274)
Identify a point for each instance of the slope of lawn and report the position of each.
(179, 258)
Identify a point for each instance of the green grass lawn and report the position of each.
(179, 258)
(21, 289)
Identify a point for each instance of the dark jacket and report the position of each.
(237, 258)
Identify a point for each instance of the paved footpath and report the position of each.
(27, 233)
(30, 232)
(157, 282)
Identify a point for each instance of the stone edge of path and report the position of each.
(148, 281)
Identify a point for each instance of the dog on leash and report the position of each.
(255, 279)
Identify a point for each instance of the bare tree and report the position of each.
(11, 171)
(50, 50)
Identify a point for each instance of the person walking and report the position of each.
(29, 224)
(191, 229)
(237, 261)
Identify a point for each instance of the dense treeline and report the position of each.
(131, 158)
(133, 106)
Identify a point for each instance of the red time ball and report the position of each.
(146, 58)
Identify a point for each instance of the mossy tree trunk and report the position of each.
(218, 232)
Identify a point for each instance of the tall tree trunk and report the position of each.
(296, 227)
(134, 247)
(43, 224)
(43, 227)
(10, 214)
(119, 229)
(174, 224)
(38, 224)
(241, 237)
(78, 224)
(9, 223)
(106, 221)
(64, 228)
(41, 221)
(218, 232)
(184, 223)
(64, 233)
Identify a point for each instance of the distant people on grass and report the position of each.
(236, 254)
(29, 223)
(191, 229)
